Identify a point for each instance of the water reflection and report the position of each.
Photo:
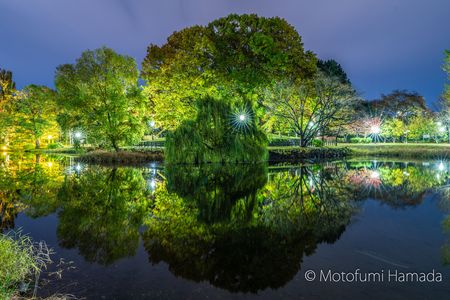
(243, 233)
(244, 228)
(101, 211)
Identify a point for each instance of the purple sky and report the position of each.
(382, 44)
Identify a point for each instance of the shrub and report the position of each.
(317, 143)
(360, 140)
(55, 146)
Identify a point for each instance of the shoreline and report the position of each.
(276, 154)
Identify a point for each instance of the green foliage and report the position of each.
(34, 113)
(16, 263)
(317, 143)
(55, 146)
(101, 95)
(394, 128)
(7, 88)
(216, 135)
(229, 58)
(421, 125)
(310, 107)
(21, 261)
(361, 140)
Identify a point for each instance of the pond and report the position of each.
(343, 229)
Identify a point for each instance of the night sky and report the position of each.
(382, 44)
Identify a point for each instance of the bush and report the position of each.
(317, 143)
(359, 140)
(55, 146)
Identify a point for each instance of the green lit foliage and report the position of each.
(7, 88)
(394, 128)
(34, 114)
(7, 95)
(421, 125)
(216, 136)
(101, 211)
(312, 106)
(101, 95)
(231, 56)
(262, 236)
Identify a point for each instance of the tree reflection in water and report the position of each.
(101, 212)
(240, 227)
(238, 232)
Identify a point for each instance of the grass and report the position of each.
(410, 150)
(16, 263)
(21, 262)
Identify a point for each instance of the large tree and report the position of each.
(445, 98)
(7, 94)
(34, 113)
(229, 58)
(100, 94)
(7, 88)
(312, 106)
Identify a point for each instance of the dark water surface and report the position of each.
(240, 231)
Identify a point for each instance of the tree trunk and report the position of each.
(38, 144)
(115, 146)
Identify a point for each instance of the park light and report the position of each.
(375, 175)
(375, 129)
(441, 166)
(77, 134)
(241, 119)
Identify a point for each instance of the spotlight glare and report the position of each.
(375, 129)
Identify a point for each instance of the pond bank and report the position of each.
(121, 157)
(276, 154)
(410, 150)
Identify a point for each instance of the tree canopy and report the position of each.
(100, 94)
(230, 56)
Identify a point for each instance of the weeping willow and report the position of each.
(221, 132)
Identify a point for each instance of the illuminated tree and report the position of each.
(229, 58)
(34, 113)
(220, 133)
(7, 93)
(394, 128)
(310, 107)
(100, 94)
